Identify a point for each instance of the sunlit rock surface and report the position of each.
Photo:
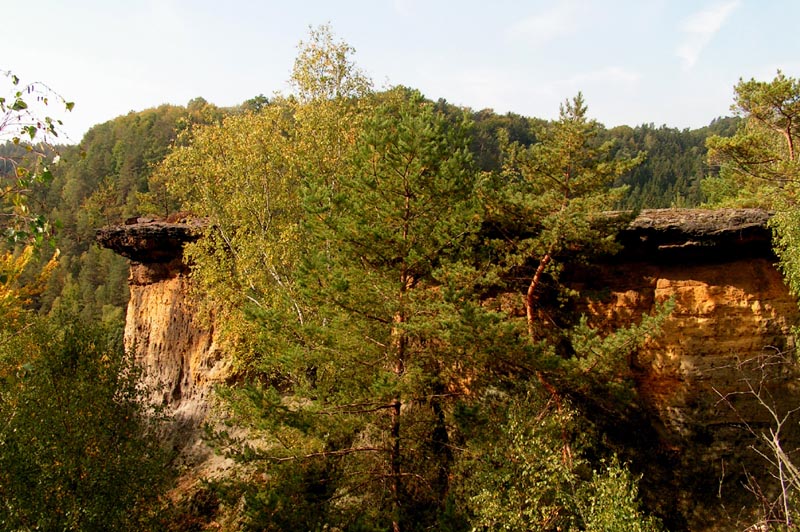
(176, 348)
(730, 327)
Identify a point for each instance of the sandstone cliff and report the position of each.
(730, 330)
(731, 305)
(177, 350)
(686, 432)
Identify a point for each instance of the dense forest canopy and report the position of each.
(356, 246)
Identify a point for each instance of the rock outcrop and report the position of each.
(177, 349)
(731, 306)
(730, 330)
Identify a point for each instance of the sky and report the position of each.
(666, 62)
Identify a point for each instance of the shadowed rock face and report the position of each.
(149, 241)
(731, 305)
(671, 235)
(154, 247)
(711, 225)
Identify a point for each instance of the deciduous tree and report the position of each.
(77, 451)
(23, 123)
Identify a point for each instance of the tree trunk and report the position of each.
(530, 304)
(395, 466)
(443, 454)
(789, 141)
(530, 297)
(400, 345)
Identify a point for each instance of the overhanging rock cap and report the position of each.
(150, 241)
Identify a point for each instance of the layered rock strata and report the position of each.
(729, 335)
(731, 306)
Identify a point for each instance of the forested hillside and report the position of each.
(675, 165)
(358, 250)
(98, 183)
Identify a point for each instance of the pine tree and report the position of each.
(550, 200)
(548, 207)
(388, 243)
(759, 165)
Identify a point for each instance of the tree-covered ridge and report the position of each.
(670, 175)
(109, 178)
(98, 183)
(674, 167)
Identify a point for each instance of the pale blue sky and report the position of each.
(637, 61)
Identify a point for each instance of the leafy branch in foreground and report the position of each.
(20, 120)
(514, 476)
(30, 135)
(760, 376)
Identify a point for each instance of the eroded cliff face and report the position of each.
(176, 348)
(688, 431)
(724, 313)
(178, 352)
(728, 336)
(731, 305)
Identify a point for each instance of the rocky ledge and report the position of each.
(149, 240)
(685, 436)
(697, 234)
(665, 232)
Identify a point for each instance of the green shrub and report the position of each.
(77, 449)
